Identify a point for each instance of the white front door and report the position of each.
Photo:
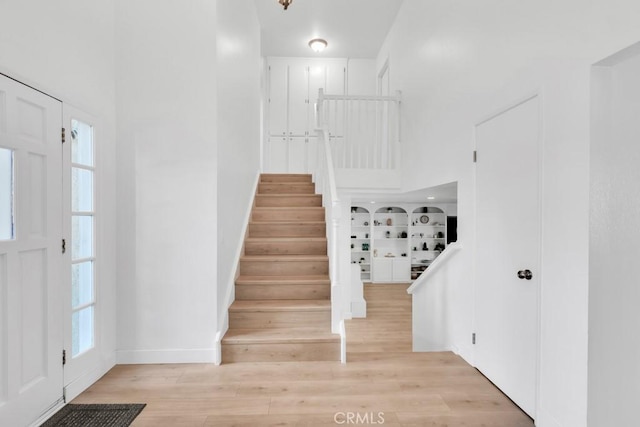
(507, 251)
(31, 283)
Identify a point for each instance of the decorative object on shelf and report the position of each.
(415, 248)
(389, 209)
(366, 235)
(424, 246)
(352, 246)
(353, 237)
(389, 221)
(387, 234)
(366, 223)
(424, 219)
(403, 254)
(361, 260)
(376, 222)
(365, 247)
(285, 3)
(403, 235)
(375, 252)
(439, 247)
(440, 235)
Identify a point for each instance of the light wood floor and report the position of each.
(382, 376)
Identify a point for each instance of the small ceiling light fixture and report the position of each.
(430, 198)
(318, 45)
(285, 3)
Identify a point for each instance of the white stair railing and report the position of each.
(324, 178)
(364, 131)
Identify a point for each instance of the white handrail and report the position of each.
(442, 259)
(326, 180)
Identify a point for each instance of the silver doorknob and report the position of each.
(525, 274)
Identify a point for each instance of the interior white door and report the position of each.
(507, 248)
(31, 256)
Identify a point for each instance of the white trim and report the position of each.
(223, 316)
(141, 357)
(217, 349)
(343, 343)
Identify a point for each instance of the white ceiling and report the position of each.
(353, 28)
(445, 193)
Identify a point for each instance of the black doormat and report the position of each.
(119, 415)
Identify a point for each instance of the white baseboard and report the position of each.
(142, 357)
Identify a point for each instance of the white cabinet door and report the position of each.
(401, 270)
(278, 154)
(31, 256)
(317, 81)
(278, 102)
(298, 99)
(382, 270)
(297, 154)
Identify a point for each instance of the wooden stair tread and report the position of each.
(288, 195)
(284, 239)
(283, 223)
(287, 258)
(281, 208)
(279, 336)
(281, 305)
(284, 175)
(281, 280)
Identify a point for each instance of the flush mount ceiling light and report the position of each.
(285, 3)
(318, 45)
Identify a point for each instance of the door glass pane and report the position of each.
(81, 237)
(81, 143)
(6, 195)
(82, 331)
(81, 284)
(81, 190)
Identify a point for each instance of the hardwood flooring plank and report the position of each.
(382, 375)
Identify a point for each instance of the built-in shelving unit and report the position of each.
(428, 237)
(396, 242)
(361, 241)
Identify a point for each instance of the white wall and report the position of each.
(361, 76)
(239, 96)
(614, 296)
(67, 50)
(167, 180)
(458, 62)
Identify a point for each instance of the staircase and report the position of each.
(282, 309)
